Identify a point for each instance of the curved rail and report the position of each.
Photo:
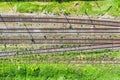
(56, 50)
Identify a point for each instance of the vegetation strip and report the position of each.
(58, 72)
(76, 8)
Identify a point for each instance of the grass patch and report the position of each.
(27, 7)
(36, 71)
(52, 67)
(59, 72)
(4, 7)
(109, 7)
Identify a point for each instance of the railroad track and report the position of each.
(60, 30)
(100, 42)
(4, 54)
(95, 62)
(60, 41)
(60, 20)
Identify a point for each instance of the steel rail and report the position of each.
(56, 50)
(115, 39)
(61, 41)
(62, 32)
(59, 29)
(117, 62)
(61, 20)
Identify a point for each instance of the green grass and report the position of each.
(27, 7)
(109, 7)
(58, 72)
(58, 67)
(4, 7)
(36, 72)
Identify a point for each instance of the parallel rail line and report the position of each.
(56, 50)
(97, 44)
(60, 41)
(60, 30)
(60, 20)
(117, 62)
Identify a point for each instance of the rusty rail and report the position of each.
(60, 20)
(56, 50)
(60, 41)
(60, 30)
